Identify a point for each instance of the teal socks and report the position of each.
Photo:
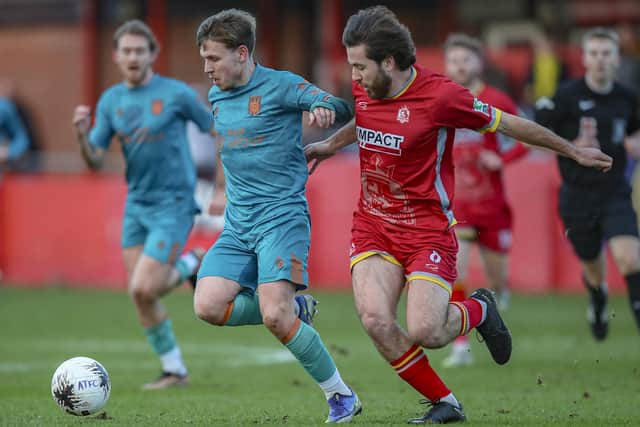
(246, 310)
(308, 348)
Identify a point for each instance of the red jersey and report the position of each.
(480, 192)
(406, 143)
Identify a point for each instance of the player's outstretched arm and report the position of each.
(322, 150)
(532, 133)
(92, 155)
(324, 108)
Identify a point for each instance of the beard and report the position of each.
(379, 88)
(465, 80)
(138, 76)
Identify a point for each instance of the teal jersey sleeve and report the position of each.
(149, 122)
(302, 95)
(194, 110)
(259, 135)
(12, 129)
(102, 132)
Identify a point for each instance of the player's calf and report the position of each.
(633, 286)
(597, 313)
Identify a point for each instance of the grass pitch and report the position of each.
(242, 376)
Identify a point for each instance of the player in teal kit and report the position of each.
(14, 139)
(264, 246)
(147, 114)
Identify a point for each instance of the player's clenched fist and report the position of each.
(593, 158)
(82, 118)
(322, 117)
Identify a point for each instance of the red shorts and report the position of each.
(492, 225)
(425, 255)
(495, 240)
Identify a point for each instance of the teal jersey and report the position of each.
(259, 135)
(150, 123)
(12, 130)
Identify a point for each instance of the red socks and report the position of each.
(414, 368)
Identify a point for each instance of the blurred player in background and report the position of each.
(480, 204)
(14, 138)
(402, 233)
(147, 113)
(264, 246)
(595, 111)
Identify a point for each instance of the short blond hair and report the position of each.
(231, 27)
(466, 41)
(603, 34)
(137, 28)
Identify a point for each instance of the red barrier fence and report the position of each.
(66, 229)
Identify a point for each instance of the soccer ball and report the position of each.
(80, 386)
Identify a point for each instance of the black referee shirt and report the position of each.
(614, 115)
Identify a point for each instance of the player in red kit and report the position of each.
(480, 204)
(402, 233)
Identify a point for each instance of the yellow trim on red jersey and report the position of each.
(493, 125)
(414, 74)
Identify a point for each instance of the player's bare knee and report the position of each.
(208, 312)
(272, 323)
(436, 340)
(628, 263)
(427, 335)
(143, 293)
(377, 325)
(276, 318)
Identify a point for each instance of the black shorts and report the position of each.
(592, 217)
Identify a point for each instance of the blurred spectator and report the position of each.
(496, 77)
(14, 137)
(628, 75)
(548, 69)
(629, 70)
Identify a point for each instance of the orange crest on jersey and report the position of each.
(156, 106)
(254, 105)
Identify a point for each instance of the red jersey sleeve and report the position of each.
(457, 108)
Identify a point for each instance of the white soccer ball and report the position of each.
(81, 386)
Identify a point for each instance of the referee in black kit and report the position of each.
(595, 207)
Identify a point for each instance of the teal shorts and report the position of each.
(163, 228)
(280, 253)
